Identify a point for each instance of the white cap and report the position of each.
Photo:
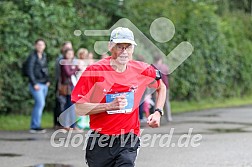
(122, 35)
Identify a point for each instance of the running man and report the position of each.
(110, 91)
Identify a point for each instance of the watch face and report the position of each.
(160, 111)
(158, 75)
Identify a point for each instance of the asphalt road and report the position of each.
(211, 138)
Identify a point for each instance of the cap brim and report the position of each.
(124, 41)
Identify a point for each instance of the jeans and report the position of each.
(39, 97)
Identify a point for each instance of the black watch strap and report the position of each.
(160, 111)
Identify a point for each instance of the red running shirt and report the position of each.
(100, 80)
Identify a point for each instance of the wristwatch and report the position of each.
(161, 112)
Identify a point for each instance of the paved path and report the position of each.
(226, 142)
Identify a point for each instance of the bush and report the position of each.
(23, 23)
(219, 67)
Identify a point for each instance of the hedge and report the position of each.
(219, 67)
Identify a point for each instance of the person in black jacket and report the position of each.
(38, 83)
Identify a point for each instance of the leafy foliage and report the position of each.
(220, 32)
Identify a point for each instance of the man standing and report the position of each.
(38, 83)
(110, 91)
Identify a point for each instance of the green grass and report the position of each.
(178, 107)
(22, 122)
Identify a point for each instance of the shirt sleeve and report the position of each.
(150, 77)
(83, 90)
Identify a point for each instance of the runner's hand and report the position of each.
(119, 103)
(154, 120)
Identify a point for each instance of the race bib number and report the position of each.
(130, 100)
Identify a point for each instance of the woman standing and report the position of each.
(68, 71)
(37, 72)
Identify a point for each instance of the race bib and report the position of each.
(130, 100)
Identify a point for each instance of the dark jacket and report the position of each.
(37, 69)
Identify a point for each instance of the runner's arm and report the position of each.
(154, 119)
(161, 95)
(94, 108)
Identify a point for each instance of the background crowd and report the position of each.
(68, 69)
(220, 31)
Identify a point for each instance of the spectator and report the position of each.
(59, 100)
(82, 54)
(68, 70)
(38, 83)
(83, 62)
(90, 58)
